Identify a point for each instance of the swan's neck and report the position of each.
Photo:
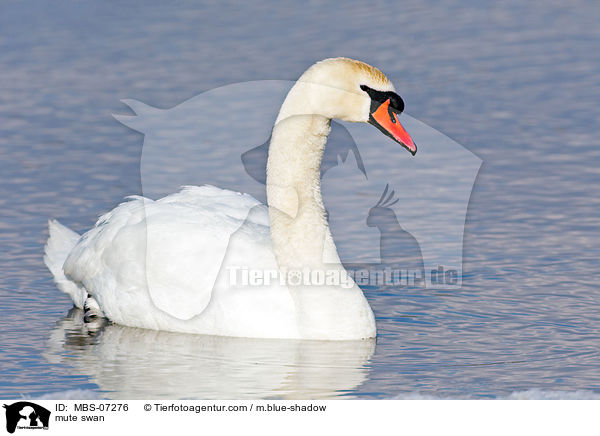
(299, 230)
(300, 234)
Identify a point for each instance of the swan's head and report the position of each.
(351, 90)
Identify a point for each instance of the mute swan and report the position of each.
(158, 264)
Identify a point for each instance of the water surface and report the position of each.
(515, 83)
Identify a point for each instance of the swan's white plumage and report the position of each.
(164, 264)
(158, 264)
(60, 243)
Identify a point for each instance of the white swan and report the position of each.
(166, 264)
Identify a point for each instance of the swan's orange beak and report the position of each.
(387, 121)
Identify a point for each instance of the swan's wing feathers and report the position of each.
(166, 252)
(212, 199)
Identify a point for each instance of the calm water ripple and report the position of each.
(513, 82)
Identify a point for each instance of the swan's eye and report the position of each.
(380, 97)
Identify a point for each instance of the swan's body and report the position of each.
(197, 223)
(166, 264)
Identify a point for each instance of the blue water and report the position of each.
(518, 84)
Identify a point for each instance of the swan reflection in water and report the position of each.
(132, 363)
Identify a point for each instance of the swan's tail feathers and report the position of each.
(60, 243)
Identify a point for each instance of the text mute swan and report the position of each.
(165, 264)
